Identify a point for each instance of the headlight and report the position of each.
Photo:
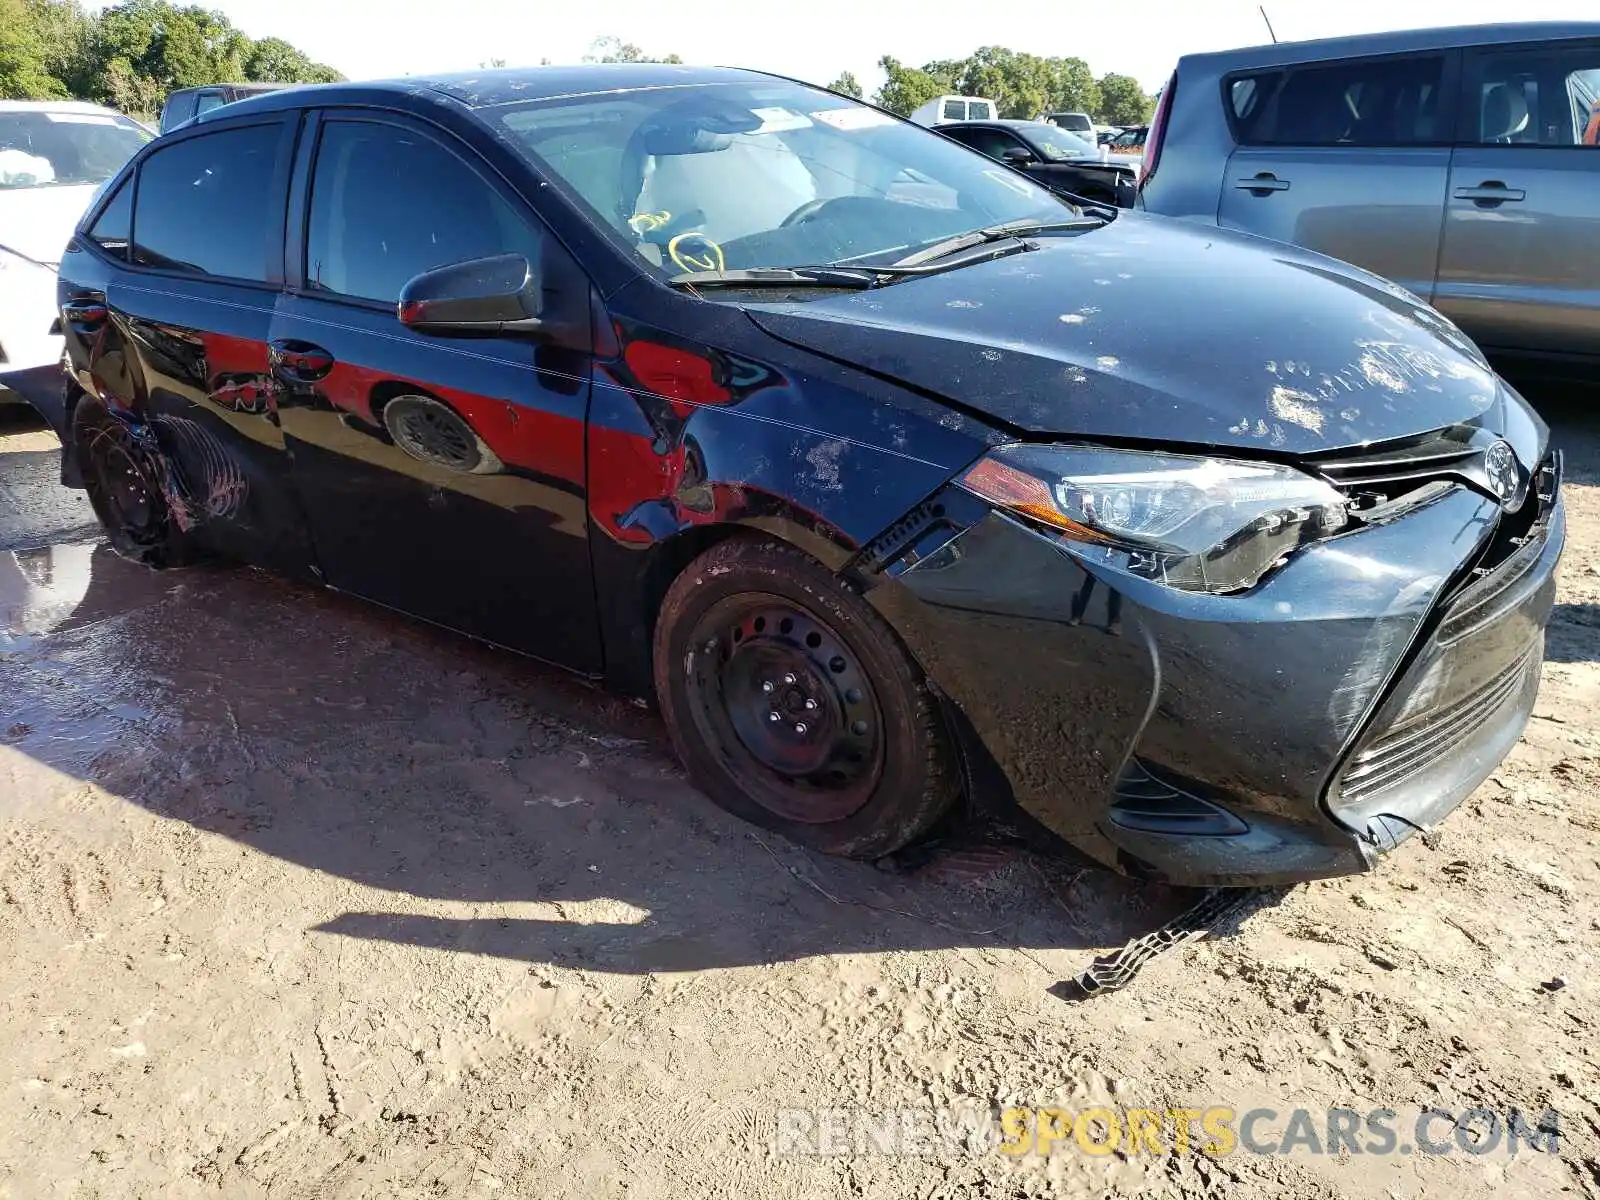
(1200, 524)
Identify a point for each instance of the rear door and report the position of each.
(170, 317)
(440, 476)
(1348, 158)
(1520, 268)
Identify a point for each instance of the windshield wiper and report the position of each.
(836, 277)
(993, 233)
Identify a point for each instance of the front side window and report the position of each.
(1058, 145)
(59, 148)
(1539, 98)
(388, 204)
(206, 204)
(993, 142)
(1363, 102)
(763, 174)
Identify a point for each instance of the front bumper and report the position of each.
(1294, 733)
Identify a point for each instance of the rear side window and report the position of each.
(113, 228)
(206, 101)
(1547, 97)
(1364, 102)
(955, 110)
(388, 204)
(206, 204)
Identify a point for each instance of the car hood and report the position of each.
(1161, 330)
(38, 221)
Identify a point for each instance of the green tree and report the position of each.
(615, 50)
(24, 55)
(906, 89)
(273, 60)
(1123, 102)
(1022, 85)
(847, 85)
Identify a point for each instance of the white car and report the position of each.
(54, 156)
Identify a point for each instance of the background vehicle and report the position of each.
(1074, 122)
(1060, 160)
(53, 156)
(187, 103)
(1128, 141)
(955, 108)
(1451, 161)
(836, 438)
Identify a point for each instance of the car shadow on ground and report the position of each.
(1573, 413)
(462, 785)
(486, 804)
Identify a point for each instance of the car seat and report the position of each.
(1505, 113)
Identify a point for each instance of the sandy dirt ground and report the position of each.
(301, 898)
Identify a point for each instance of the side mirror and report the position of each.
(1016, 156)
(502, 296)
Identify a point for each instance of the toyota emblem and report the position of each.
(1500, 465)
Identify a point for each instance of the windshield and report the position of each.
(735, 176)
(55, 148)
(1057, 144)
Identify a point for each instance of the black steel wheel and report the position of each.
(794, 705)
(123, 480)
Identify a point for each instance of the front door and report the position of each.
(440, 476)
(1521, 263)
(1348, 159)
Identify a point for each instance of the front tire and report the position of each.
(794, 706)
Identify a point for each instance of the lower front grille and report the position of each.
(1148, 802)
(1404, 752)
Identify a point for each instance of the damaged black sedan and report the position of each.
(880, 467)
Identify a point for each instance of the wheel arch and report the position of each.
(631, 581)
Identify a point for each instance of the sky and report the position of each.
(817, 39)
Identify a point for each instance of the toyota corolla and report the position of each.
(882, 469)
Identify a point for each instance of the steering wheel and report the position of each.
(807, 211)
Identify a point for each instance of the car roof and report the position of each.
(486, 89)
(238, 87)
(1403, 41)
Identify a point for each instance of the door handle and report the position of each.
(1490, 192)
(86, 311)
(1262, 184)
(298, 362)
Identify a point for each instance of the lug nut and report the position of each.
(800, 727)
(767, 687)
(774, 718)
(811, 706)
(789, 679)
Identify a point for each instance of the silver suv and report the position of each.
(1461, 163)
